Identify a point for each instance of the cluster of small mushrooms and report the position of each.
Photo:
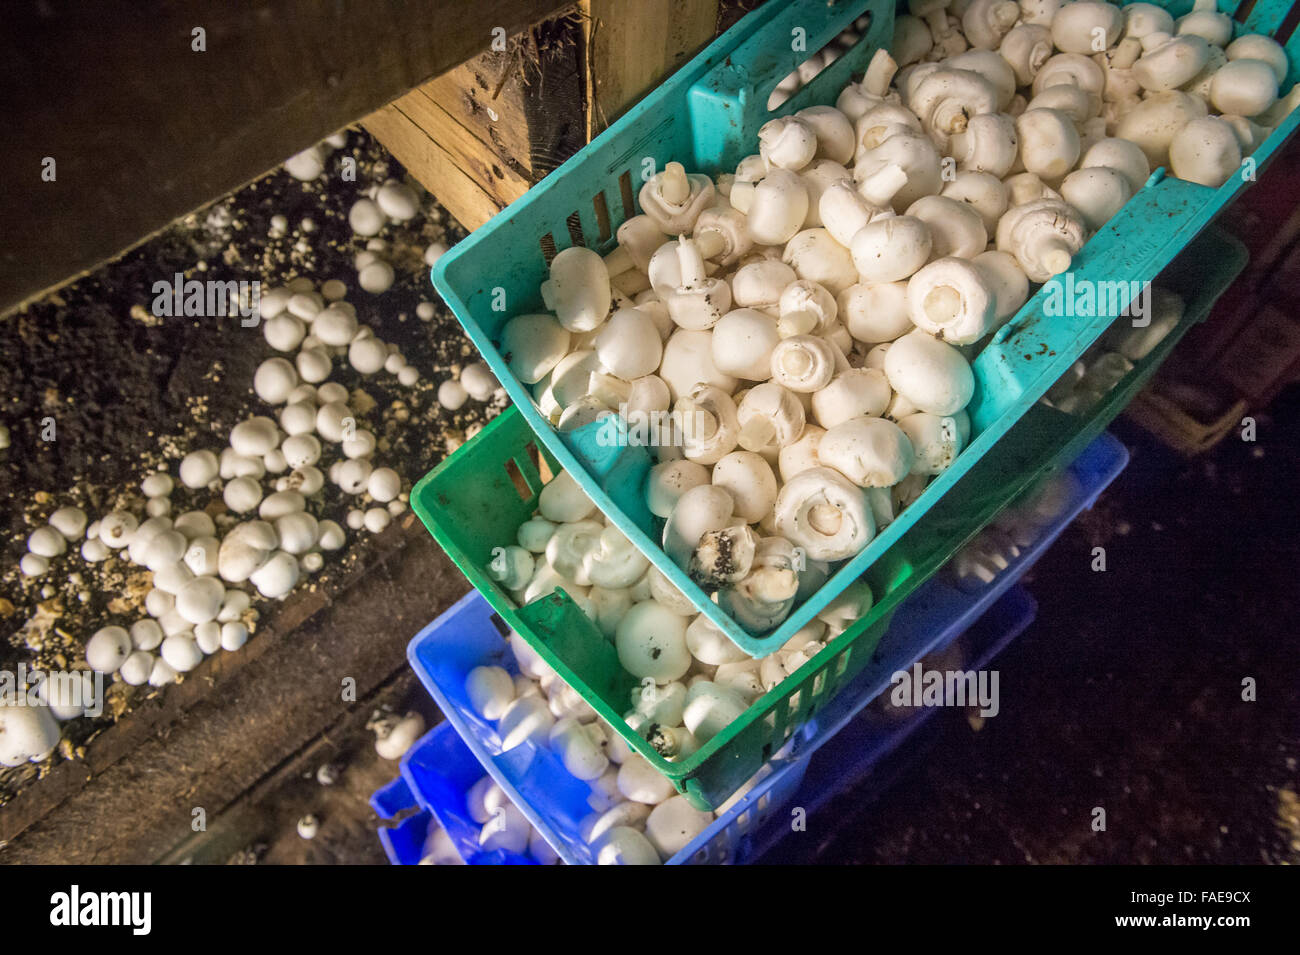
(808, 322)
(267, 532)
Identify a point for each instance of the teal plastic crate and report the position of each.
(707, 115)
(476, 499)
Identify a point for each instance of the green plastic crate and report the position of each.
(707, 115)
(477, 498)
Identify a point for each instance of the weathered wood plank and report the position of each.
(631, 47)
(494, 126)
(460, 180)
(221, 731)
(143, 128)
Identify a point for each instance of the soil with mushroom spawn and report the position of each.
(129, 392)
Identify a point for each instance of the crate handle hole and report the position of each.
(518, 480)
(602, 216)
(548, 248)
(625, 193)
(1288, 25)
(574, 224)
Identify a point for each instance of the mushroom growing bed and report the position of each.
(102, 393)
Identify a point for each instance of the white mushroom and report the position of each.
(533, 345)
(932, 375)
(764, 597)
(787, 142)
(1076, 24)
(1151, 124)
(697, 301)
(1026, 47)
(851, 393)
(1043, 235)
(1205, 151)
(1121, 155)
(821, 511)
(708, 423)
(651, 643)
(614, 561)
(27, 733)
(817, 257)
(956, 229)
(870, 452)
(748, 478)
(935, 440)
(891, 249)
(951, 299)
(674, 200)
(778, 207)
(1049, 142)
(577, 290)
(1244, 87)
(742, 344)
(946, 99)
(688, 361)
(803, 363)
(1097, 193)
(875, 312)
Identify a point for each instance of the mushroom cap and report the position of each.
(748, 477)
(1073, 25)
(688, 361)
(817, 257)
(936, 441)
(533, 345)
(578, 289)
(1205, 151)
(932, 375)
(891, 249)
(952, 299)
(623, 845)
(851, 393)
(651, 643)
(628, 345)
(669, 480)
(824, 513)
(742, 344)
(710, 708)
(870, 452)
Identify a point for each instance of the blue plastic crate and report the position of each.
(938, 611)
(857, 747)
(534, 778)
(708, 114)
(438, 771)
(404, 842)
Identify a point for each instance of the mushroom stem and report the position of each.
(1056, 255)
(691, 260)
(880, 73)
(880, 187)
(675, 187)
(619, 261)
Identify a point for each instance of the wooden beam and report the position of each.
(466, 182)
(479, 136)
(143, 128)
(631, 47)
